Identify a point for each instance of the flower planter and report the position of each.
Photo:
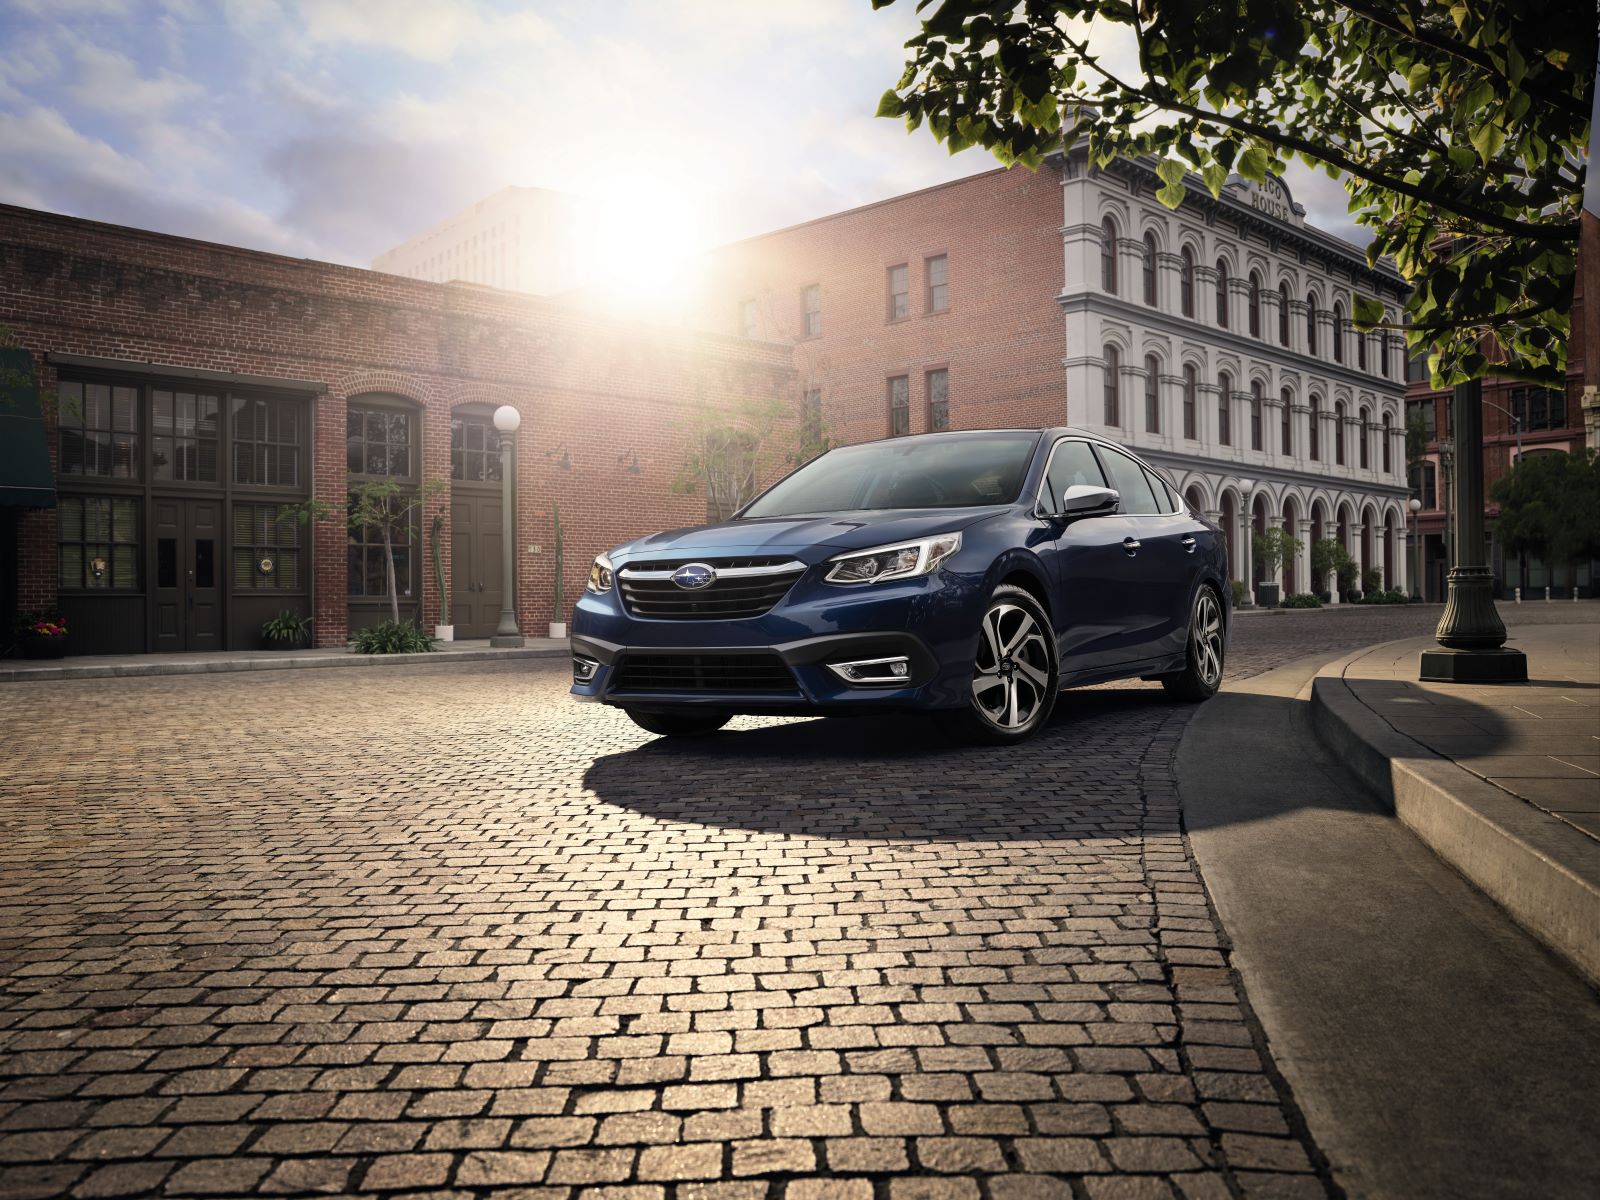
(444, 633)
(558, 629)
(1267, 595)
(44, 647)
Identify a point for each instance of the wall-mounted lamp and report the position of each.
(630, 459)
(564, 462)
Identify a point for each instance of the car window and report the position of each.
(1132, 485)
(1163, 494)
(1073, 462)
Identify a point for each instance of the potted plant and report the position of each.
(42, 635)
(286, 631)
(1372, 581)
(1329, 557)
(444, 633)
(558, 626)
(1271, 550)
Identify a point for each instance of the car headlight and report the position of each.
(903, 560)
(600, 575)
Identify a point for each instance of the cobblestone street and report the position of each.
(439, 931)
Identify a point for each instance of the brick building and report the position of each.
(193, 390)
(1215, 339)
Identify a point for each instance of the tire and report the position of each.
(1203, 656)
(684, 723)
(1015, 674)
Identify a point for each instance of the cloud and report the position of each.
(429, 30)
(107, 82)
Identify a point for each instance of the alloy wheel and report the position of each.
(1205, 638)
(1011, 679)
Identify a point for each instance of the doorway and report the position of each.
(476, 570)
(186, 569)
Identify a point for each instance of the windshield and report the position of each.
(913, 473)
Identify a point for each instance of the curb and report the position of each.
(286, 663)
(1544, 873)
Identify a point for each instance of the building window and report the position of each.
(1424, 485)
(1286, 424)
(1152, 394)
(474, 450)
(1338, 434)
(1423, 412)
(938, 387)
(1113, 386)
(98, 430)
(379, 443)
(937, 272)
(266, 442)
(1538, 408)
(1255, 304)
(1108, 256)
(1150, 269)
(1191, 388)
(1338, 331)
(1222, 293)
(1186, 282)
(1314, 432)
(811, 310)
(1283, 314)
(899, 406)
(1311, 324)
(747, 318)
(1388, 453)
(266, 549)
(1361, 350)
(1256, 403)
(183, 435)
(899, 303)
(97, 543)
(1363, 436)
(1224, 403)
(368, 578)
(811, 422)
(1383, 351)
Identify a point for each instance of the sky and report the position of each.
(335, 129)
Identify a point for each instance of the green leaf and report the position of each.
(1253, 164)
(1366, 310)
(1487, 139)
(889, 105)
(1215, 175)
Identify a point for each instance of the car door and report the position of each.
(1089, 567)
(1160, 554)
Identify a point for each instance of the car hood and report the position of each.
(824, 534)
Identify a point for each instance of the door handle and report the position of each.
(1131, 545)
(1187, 542)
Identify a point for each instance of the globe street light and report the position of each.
(1415, 506)
(506, 420)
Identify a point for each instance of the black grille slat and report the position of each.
(704, 673)
(736, 598)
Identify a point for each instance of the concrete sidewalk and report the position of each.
(1503, 782)
(20, 670)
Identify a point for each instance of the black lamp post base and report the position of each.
(1497, 665)
(502, 641)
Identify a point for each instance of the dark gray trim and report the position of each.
(121, 366)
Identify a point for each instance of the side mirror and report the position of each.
(1085, 500)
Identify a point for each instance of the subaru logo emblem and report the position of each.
(694, 576)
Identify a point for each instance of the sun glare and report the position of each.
(638, 246)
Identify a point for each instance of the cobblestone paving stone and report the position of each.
(440, 932)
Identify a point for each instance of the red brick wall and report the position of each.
(1001, 339)
(599, 388)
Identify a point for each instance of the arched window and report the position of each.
(1311, 323)
(1222, 293)
(1286, 426)
(1150, 269)
(1256, 401)
(1361, 350)
(1113, 385)
(1108, 256)
(1255, 304)
(1191, 417)
(1338, 434)
(1152, 394)
(1224, 401)
(1338, 331)
(1186, 282)
(1314, 433)
(1283, 314)
(1383, 349)
(1363, 458)
(1388, 453)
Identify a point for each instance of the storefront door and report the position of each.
(186, 568)
(475, 554)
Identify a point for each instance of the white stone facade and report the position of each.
(1311, 436)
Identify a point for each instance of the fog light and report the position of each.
(583, 669)
(874, 671)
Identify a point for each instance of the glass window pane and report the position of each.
(288, 474)
(96, 520)
(399, 428)
(96, 555)
(1133, 487)
(96, 406)
(71, 566)
(377, 462)
(123, 526)
(288, 573)
(205, 573)
(70, 520)
(355, 577)
(124, 567)
(491, 466)
(124, 409)
(162, 458)
(206, 463)
(161, 411)
(377, 581)
(69, 407)
(376, 425)
(474, 432)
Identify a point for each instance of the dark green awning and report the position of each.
(25, 477)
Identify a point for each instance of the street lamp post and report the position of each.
(1415, 506)
(506, 420)
(1471, 635)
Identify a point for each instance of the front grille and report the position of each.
(745, 587)
(704, 673)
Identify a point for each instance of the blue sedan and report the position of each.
(971, 575)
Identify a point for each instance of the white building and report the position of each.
(1216, 339)
(521, 239)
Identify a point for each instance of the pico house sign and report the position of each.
(1270, 199)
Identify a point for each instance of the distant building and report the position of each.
(1216, 339)
(520, 239)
